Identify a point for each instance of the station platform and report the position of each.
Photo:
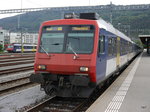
(130, 92)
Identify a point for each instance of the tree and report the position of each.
(1, 47)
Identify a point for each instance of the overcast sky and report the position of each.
(17, 4)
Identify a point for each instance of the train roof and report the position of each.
(108, 27)
(103, 24)
(18, 44)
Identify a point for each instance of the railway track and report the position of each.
(14, 69)
(57, 104)
(54, 104)
(12, 59)
(16, 64)
(14, 80)
(15, 57)
(17, 54)
(15, 72)
(11, 80)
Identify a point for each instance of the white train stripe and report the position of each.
(118, 99)
(111, 66)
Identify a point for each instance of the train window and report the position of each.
(101, 44)
(121, 47)
(110, 47)
(67, 39)
(122, 44)
(52, 42)
(30, 47)
(124, 47)
(80, 38)
(80, 42)
(128, 47)
(10, 46)
(115, 47)
(17, 47)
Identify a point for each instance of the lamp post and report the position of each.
(23, 31)
(20, 29)
(21, 43)
(128, 31)
(89, 2)
(111, 14)
(119, 26)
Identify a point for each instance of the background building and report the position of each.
(4, 37)
(30, 38)
(1, 37)
(7, 37)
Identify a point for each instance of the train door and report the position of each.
(128, 51)
(101, 57)
(148, 46)
(118, 53)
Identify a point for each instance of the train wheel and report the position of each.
(75, 90)
(50, 89)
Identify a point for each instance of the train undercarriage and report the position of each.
(64, 85)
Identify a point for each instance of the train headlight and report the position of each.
(42, 67)
(84, 69)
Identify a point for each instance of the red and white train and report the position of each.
(75, 55)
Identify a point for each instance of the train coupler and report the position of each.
(61, 81)
(37, 78)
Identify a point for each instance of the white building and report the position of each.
(4, 36)
(1, 37)
(7, 37)
(30, 38)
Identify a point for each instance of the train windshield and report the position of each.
(10, 46)
(67, 39)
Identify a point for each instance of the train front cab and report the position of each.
(10, 48)
(70, 72)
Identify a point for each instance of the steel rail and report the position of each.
(16, 59)
(16, 70)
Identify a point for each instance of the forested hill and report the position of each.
(135, 21)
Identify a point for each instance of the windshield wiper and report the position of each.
(56, 44)
(45, 51)
(75, 54)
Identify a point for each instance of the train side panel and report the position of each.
(16, 48)
(116, 54)
(101, 56)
